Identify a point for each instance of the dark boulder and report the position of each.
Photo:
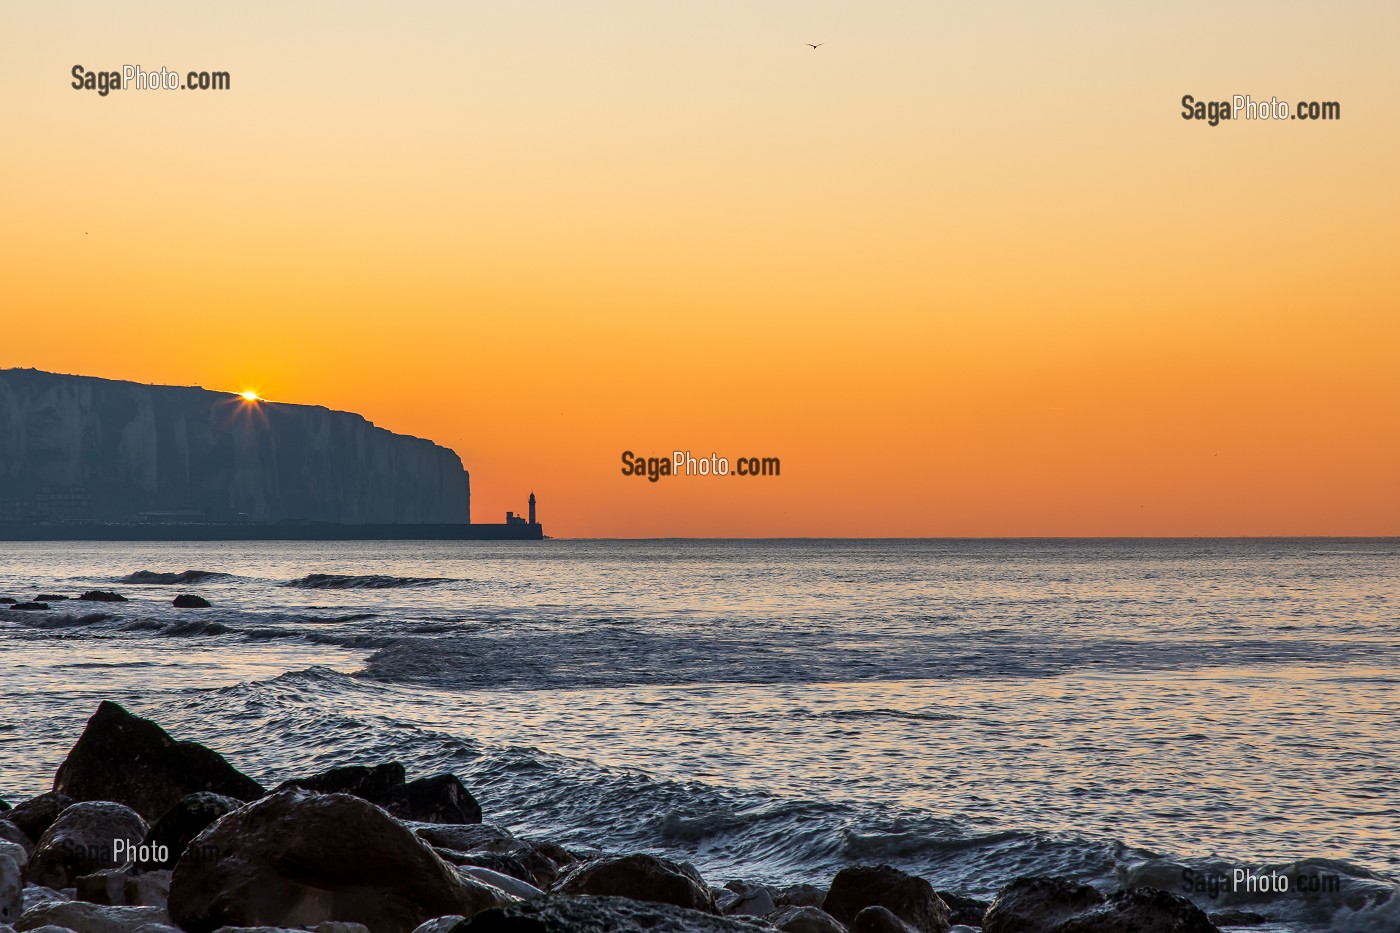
(909, 898)
(800, 895)
(297, 859)
(36, 814)
(133, 761)
(84, 839)
(189, 601)
(50, 598)
(1038, 904)
(553, 914)
(9, 832)
(102, 596)
(7, 600)
(968, 911)
(438, 799)
(1141, 910)
(171, 834)
(1236, 917)
(30, 607)
(876, 919)
(367, 783)
(640, 877)
(805, 920)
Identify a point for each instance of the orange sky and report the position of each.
(964, 269)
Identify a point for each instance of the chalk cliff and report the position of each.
(79, 448)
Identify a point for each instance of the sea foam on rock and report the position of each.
(298, 858)
(131, 760)
(909, 898)
(641, 878)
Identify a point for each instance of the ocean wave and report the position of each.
(372, 581)
(57, 620)
(916, 715)
(163, 578)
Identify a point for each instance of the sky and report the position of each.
(964, 268)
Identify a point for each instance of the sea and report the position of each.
(1164, 712)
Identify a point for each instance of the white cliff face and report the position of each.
(83, 448)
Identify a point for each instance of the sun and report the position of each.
(251, 396)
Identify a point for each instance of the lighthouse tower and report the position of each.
(532, 509)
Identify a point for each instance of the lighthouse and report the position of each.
(532, 509)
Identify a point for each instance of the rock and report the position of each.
(743, 899)
(512, 886)
(640, 877)
(469, 837)
(489, 846)
(437, 799)
(148, 889)
(554, 914)
(107, 886)
(1037, 904)
(82, 917)
(440, 924)
(36, 814)
(966, 911)
(30, 607)
(83, 840)
(910, 899)
(9, 832)
(1235, 917)
(800, 895)
(805, 920)
(15, 853)
(177, 826)
(11, 889)
(7, 600)
(367, 783)
(49, 598)
(297, 858)
(35, 895)
(133, 761)
(102, 596)
(189, 601)
(329, 926)
(1141, 910)
(877, 919)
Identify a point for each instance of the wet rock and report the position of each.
(491, 847)
(30, 607)
(1141, 910)
(35, 894)
(190, 601)
(50, 598)
(36, 814)
(148, 889)
(1235, 917)
(83, 840)
(368, 783)
(102, 596)
(9, 832)
(640, 877)
(512, 886)
(297, 859)
(800, 895)
(329, 926)
(82, 917)
(909, 898)
(1038, 904)
(554, 914)
(805, 920)
(438, 799)
(171, 834)
(133, 761)
(876, 919)
(7, 600)
(107, 886)
(440, 924)
(743, 899)
(11, 889)
(967, 911)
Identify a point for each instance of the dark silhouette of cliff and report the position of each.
(76, 448)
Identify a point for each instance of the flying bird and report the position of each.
(816, 44)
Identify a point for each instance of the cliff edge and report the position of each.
(78, 448)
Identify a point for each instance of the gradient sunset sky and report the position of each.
(964, 268)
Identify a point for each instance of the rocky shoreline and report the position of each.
(146, 834)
